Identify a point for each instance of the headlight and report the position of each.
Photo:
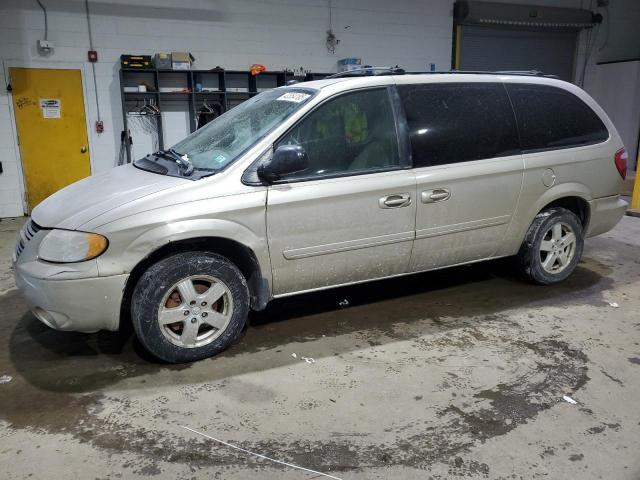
(66, 246)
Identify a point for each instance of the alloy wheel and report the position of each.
(557, 248)
(195, 311)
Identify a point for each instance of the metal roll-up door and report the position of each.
(496, 48)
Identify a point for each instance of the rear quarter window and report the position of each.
(551, 118)
(458, 122)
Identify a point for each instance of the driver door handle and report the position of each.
(435, 195)
(396, 200)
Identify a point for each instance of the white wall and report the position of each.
(230, 33)
(616, 87)
(234, 34)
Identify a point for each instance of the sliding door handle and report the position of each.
(397, 200)
(435, 195)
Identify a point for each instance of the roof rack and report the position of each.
(525, 73)
(366, 71)
(358, 72)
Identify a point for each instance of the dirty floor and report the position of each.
(459, 373)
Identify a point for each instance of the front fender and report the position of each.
(150, 240)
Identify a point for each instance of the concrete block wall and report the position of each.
(11, 178)
(621, 103)
(615, 86)
(230, 33)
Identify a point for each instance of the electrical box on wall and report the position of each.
(45, 46)
(99, 126)
(92, 56)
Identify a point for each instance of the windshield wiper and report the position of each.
(181, 160)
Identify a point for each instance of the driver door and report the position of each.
(350, 216)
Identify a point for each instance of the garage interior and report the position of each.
(465, 372)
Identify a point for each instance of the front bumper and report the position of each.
(605, 213)
(80, 305)
(66, 296)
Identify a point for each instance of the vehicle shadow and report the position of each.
(384, 310)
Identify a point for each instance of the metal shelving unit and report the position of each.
(225, 87)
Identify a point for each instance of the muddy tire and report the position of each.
(189, 306)
(552, 247)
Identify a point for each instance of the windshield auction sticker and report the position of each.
(296, 97)
(50, 107)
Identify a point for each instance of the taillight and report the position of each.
(621, 162)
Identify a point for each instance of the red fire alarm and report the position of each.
(92, 55)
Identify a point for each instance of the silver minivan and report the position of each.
(322, 184)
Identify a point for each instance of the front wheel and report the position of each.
(189, 306)
(552, 247)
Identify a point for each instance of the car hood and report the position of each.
(82, 201)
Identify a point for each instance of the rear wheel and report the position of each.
(189, 306)
(552, 247)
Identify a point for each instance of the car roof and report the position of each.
(336, 85)
(359, 81)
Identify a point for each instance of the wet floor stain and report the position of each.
(468, 468)
(441, 316)
(459, 426)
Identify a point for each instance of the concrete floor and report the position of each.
(451, 374)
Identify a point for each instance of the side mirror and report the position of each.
(286, 159)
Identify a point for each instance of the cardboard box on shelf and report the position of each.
(181, 60)
(162, 61)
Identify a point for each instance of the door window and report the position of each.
(458, 122)
(551, 118)
(354, 132)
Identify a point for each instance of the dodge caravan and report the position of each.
(321, 184)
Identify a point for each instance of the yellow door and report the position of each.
(52, 129)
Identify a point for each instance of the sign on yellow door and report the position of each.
(52, 129)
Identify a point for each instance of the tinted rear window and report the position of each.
(458, 122)
(551, 118)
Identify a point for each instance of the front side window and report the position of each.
(458, 122)
(550, 118)
(221, 141)
(351, 133)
